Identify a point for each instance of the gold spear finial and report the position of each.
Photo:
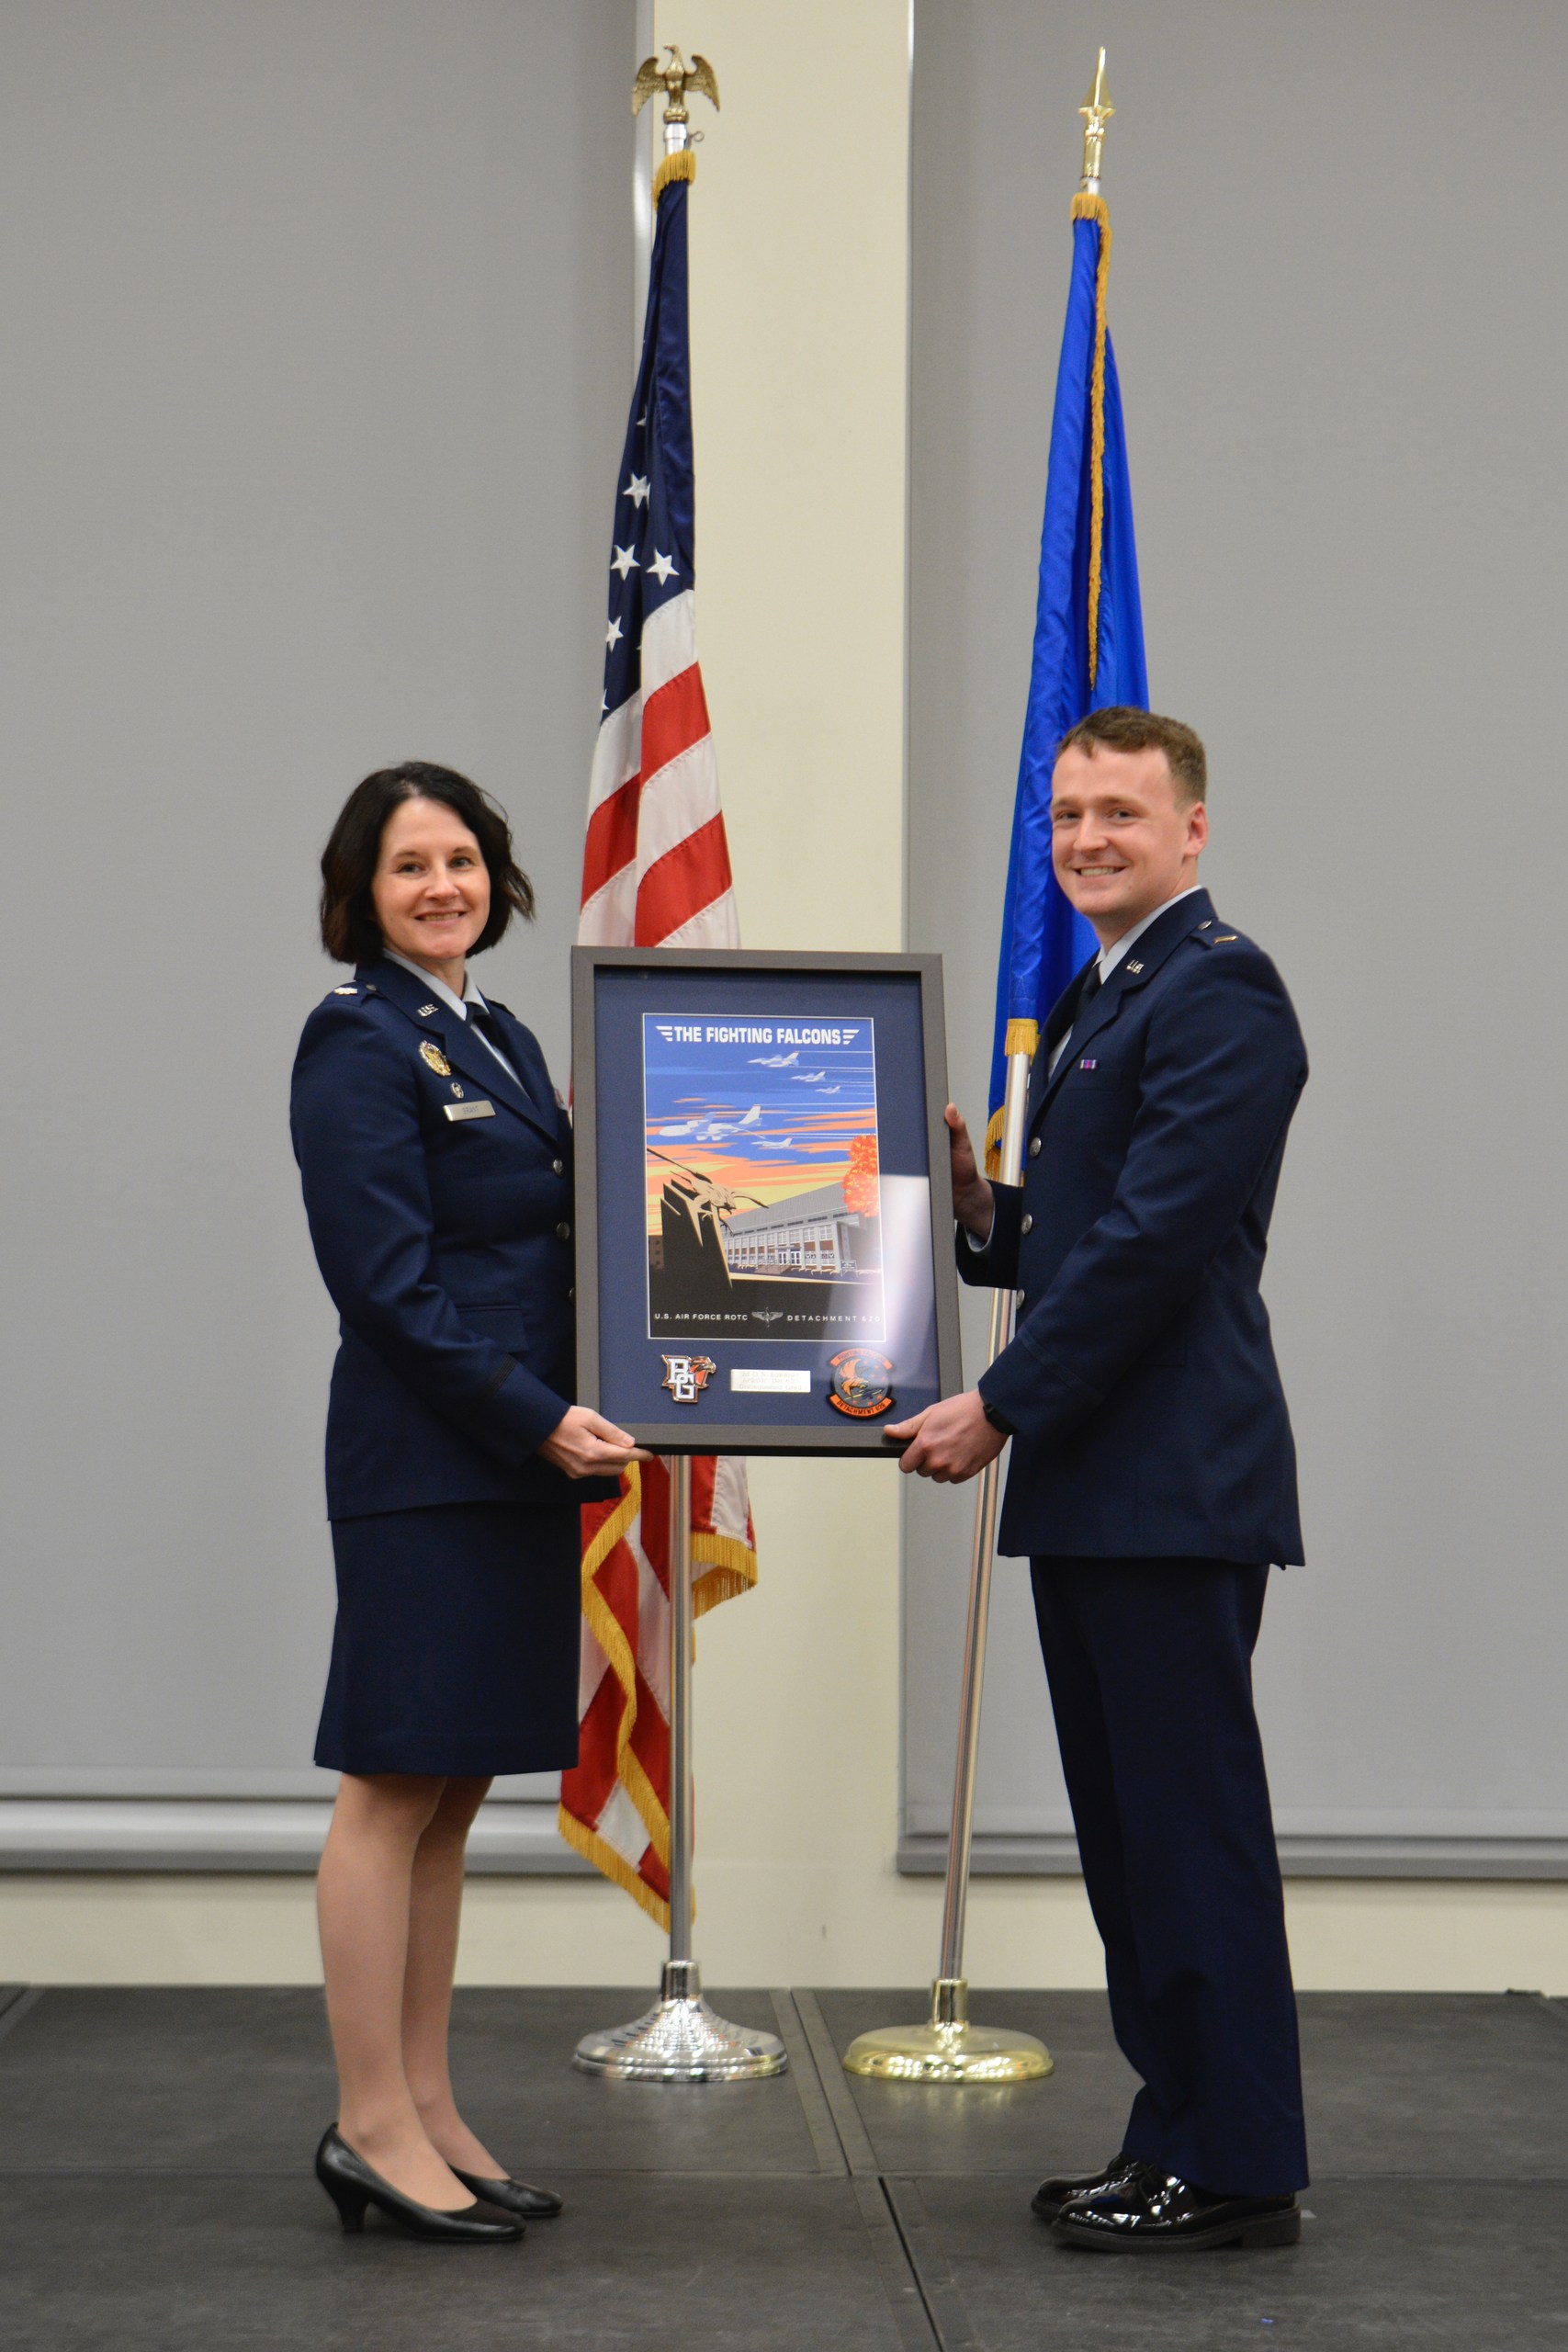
(1097, 111)
(675, 79)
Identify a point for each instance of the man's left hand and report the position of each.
(948, 1441)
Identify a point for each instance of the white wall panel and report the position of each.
(314, 360)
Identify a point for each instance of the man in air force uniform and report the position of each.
(1153, 1478)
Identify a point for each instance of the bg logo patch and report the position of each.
(687, 1376)
(862, 1381)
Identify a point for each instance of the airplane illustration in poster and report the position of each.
(763, 1206)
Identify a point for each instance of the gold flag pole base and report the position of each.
(949, 2049)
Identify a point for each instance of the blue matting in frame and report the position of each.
(764, 1216)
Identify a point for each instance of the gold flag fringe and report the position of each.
(681, 166)
(1092, 207)
(727, 1568)
(730, 1569)
(1022, 1037)
(605, 1859)
(619, 1654)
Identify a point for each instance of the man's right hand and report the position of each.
(585, 1445)
(973, 1203)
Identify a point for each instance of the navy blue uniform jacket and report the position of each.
(1141, 1380)
(446, 1247)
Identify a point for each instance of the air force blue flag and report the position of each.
(1089, 648)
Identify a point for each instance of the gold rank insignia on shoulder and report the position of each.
(345, 990)
(430, 1054)
(1227, 938)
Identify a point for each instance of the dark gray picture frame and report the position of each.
(597, 1316)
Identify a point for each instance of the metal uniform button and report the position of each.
(1020, 1298)
(1034, 1146)
(563, 1233)
(557, 1168)
(1028, 1225)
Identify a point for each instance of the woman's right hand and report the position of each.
(585, 1445)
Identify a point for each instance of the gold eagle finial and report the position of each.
(675, 80)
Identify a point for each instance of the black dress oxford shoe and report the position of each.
(1144, 2211)
(1051, 2195)
(352, 2186)
(513, 2196)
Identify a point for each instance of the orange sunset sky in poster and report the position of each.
(825, 1136)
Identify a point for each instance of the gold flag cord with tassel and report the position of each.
(1092, 207)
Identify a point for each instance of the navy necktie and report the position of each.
(481, 1018)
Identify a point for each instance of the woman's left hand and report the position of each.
(585, 1445)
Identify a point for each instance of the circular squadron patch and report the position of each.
(862, 1381)
(433, 1055)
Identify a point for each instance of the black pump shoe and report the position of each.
(352, 2186)
(513, 2196)
(1145, 2211)
(1051, 2195)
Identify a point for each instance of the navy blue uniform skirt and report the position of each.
(456, 1644)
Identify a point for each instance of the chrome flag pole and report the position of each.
(681, 2040)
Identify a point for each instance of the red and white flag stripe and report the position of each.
(655, 874)
(656, 863)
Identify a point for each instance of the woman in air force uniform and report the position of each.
(436, 1163)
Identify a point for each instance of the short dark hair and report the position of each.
(1121, 728)
(350, 932)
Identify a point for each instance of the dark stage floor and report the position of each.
(156, 2193)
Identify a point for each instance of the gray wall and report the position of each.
(314, 344)
(1336, 295)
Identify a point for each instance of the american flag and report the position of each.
(654, 873)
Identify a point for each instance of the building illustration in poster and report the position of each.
(764, 1201)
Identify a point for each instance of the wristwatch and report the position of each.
(999, 1421)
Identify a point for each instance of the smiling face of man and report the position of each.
(1123, 839)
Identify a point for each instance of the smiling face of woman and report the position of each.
(431, 890)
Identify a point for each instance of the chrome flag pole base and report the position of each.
(948, 2049)
(681, 2040)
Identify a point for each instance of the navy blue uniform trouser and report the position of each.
(1150, 1667)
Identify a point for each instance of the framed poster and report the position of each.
(765, 1226)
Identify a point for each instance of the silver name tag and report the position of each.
(469, 1110)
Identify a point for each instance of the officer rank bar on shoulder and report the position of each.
(469, 1110)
